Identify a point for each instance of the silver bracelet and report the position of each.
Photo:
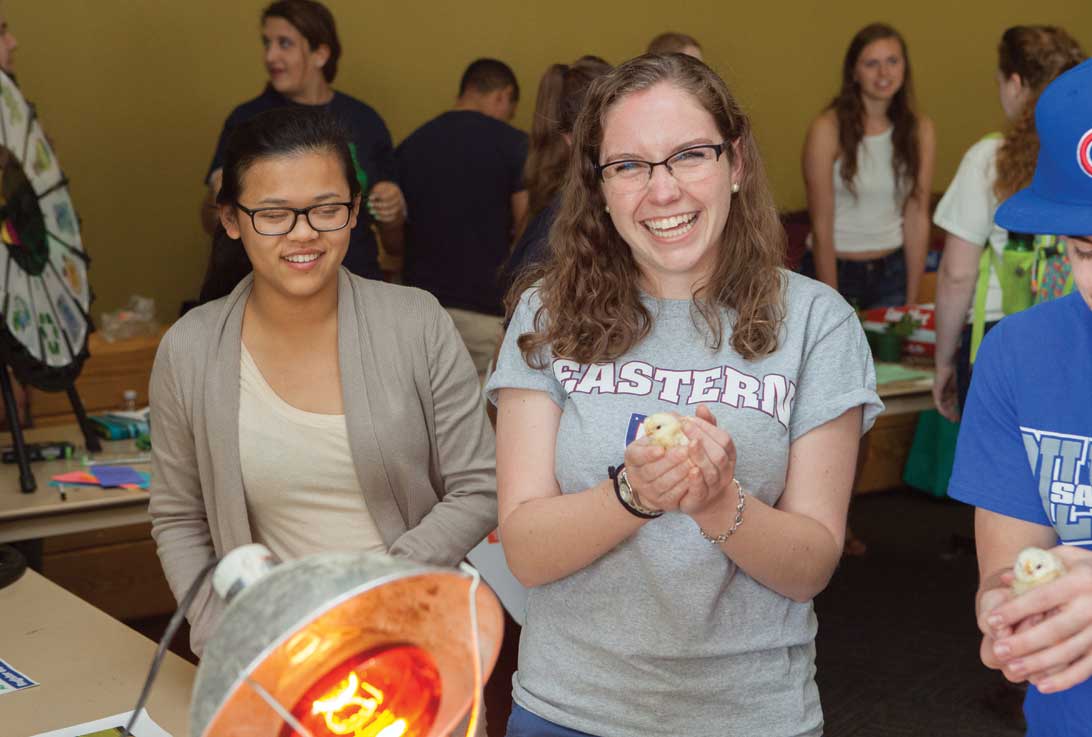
(723, 537)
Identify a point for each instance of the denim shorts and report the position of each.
(878, 282)
(523, 723)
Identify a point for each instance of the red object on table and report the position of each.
(922, 342)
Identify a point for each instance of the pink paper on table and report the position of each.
(76, 477)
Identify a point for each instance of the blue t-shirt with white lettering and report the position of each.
(1023, 451)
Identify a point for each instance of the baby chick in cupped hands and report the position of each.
(666, 430)
(1035, 567)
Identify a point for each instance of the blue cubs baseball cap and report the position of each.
(1059, 199)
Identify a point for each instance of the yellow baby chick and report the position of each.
(665, 429)
(1034, 567)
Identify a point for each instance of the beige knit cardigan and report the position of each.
(421, 444)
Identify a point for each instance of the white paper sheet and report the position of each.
(111, 727)
(12, 680)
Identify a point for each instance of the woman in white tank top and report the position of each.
(868, 165)
(868, 162)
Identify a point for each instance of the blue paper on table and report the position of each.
(62, 480)
(109, 476)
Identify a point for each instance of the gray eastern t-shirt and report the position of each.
(664, 634)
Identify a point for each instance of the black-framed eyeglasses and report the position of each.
(323, 217)
(692, 164)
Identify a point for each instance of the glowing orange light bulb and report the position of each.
(397, 729)
(391, 692)
(344, 709)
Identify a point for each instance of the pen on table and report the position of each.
(64, 492)
(88, 461)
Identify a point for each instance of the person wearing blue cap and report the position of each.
(1025, 444)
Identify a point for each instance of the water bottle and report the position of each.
(1015, 273)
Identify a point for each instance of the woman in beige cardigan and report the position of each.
(310, 409)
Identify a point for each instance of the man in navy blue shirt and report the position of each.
(301, 55)
(462, 174)
(1025, 443)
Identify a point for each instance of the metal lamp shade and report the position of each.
(289, 628)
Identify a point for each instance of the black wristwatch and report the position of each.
(627, 496)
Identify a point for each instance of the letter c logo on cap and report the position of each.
(1084, 152)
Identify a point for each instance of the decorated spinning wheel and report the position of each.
(44, 292)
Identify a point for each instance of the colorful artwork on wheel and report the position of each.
(44, 289)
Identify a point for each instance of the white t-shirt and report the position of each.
(302, 492)
(871, 219)
(968, 207)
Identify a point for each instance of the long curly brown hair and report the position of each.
(849, 109)
(589, 287)
(560, 97)
(1038, 54)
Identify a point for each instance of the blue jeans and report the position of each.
(523, 723)
(878, 282)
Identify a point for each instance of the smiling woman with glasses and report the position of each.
(678, 565)
(301, 406)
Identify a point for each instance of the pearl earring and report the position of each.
(735, 187)
(606, 209)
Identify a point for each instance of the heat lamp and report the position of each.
(343, 644)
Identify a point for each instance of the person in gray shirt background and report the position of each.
(671, 588)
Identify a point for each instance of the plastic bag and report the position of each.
(932, 454)
(136, 319)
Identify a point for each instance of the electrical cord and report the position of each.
(475, 649)
(164, 643)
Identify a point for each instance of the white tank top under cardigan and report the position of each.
(302, 491)
(871, 220)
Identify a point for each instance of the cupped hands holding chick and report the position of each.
(682, 463)
(1038, 622)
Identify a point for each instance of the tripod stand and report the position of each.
(26, 476)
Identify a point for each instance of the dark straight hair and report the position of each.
(281, 132)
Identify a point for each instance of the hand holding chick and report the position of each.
(665, 429)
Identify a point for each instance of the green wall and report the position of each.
(133, 92)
